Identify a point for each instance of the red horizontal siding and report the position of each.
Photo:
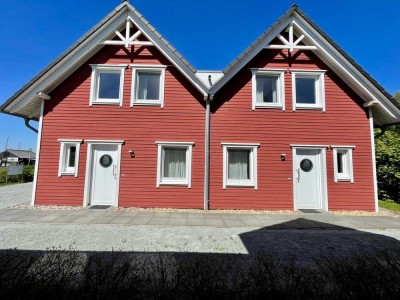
(68, 115)
(345, 122)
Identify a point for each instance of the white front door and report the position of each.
(308, 179)
(104, 177)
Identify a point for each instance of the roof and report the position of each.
(25, 103)
(28, 154)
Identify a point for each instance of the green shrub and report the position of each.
(28, 173)
(3, 174)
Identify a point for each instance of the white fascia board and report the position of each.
(168, 54)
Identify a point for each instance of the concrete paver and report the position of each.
(121, 220)
(158, 221)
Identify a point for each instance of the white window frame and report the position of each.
(347, 163)
(94, 87)
(160, 164)
(150, 69)
(65, 145)
(280, 88)
(319, 76)
(252, 182)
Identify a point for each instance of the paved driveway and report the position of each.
(15, 194)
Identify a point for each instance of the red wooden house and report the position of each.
(125, 120)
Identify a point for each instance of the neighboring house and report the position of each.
(16, 157)
(125, 120)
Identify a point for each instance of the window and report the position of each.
(69, 157)
(148, 85)
(174, 163)
(308, 90)
(107, 84)
(240, 165)
(343, 163)
(268, 88)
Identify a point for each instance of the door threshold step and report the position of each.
(100, 207)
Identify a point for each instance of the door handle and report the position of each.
(115, 170)
(298, 175)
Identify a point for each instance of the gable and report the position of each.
(125, 27)
(112, 30)
(295, 31)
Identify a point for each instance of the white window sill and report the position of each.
(309, 107)
(182, 182)
(277, 106)
(243, 183)
(106, 102)
(72, 173)
(344, 179)
(146, 103)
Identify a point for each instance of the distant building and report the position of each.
(16, 157)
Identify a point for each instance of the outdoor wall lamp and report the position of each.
(132, 153)
(283, 156)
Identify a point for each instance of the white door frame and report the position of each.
(324, 180)
(89, 160)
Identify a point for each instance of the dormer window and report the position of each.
(148, 85)
(268, 88)
(107, 84)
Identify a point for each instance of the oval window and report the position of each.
(306, 165)
(106, 161)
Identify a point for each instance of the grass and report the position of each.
(390, 205)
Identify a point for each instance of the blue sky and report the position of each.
(208, 33)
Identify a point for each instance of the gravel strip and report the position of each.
(47, 207)
(200, 211)
(382, 212)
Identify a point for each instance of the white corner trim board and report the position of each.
(39, 141)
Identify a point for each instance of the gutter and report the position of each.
(27, 120)
(208, 99)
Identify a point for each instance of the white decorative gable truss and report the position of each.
(126, 27)
(293, 42)
(128, 39)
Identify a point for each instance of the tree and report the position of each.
(388, 161)
(388, 165)
(397, 96)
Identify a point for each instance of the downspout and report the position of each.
(27, 120)
(207, 154)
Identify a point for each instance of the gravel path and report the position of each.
(299, 244)
(15, 194)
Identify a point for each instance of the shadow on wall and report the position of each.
(335, 263)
